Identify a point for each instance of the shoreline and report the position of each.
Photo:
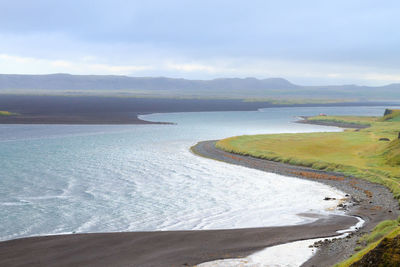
(188, 248)
(160, 248)
(304, 120)
(371, 202)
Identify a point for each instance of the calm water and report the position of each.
(64, 178)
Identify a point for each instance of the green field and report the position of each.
(360, 153)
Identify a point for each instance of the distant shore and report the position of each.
(52, 109)
(77, 119)
(304, 120)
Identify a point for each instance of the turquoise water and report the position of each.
(88, 178)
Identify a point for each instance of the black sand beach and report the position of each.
(56, 109)
(37, 109)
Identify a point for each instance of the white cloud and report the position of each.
(191, 67)
(28, 65)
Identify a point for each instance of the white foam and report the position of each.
(286, 255)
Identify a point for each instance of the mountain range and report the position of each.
(246, 88)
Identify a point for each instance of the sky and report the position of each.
(308, 42)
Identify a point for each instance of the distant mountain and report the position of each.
(161, 86)
(113, 82)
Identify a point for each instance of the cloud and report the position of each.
(310, 41)
(191, 67)
(29, 65)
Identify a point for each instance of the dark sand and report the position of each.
(38, 109)
(47, 109)
(178, 248)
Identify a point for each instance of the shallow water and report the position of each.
(81, 178)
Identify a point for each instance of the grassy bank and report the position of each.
(381, 246)
(372, 153)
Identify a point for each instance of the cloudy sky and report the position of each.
(307, 42)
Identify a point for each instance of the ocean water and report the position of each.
(97, 178)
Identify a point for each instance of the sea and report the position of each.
(59, 179)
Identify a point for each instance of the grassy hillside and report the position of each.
(372, 153)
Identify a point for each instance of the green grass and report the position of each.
(357, 153)
(386, 229)
(7, 113)
(382, 229)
